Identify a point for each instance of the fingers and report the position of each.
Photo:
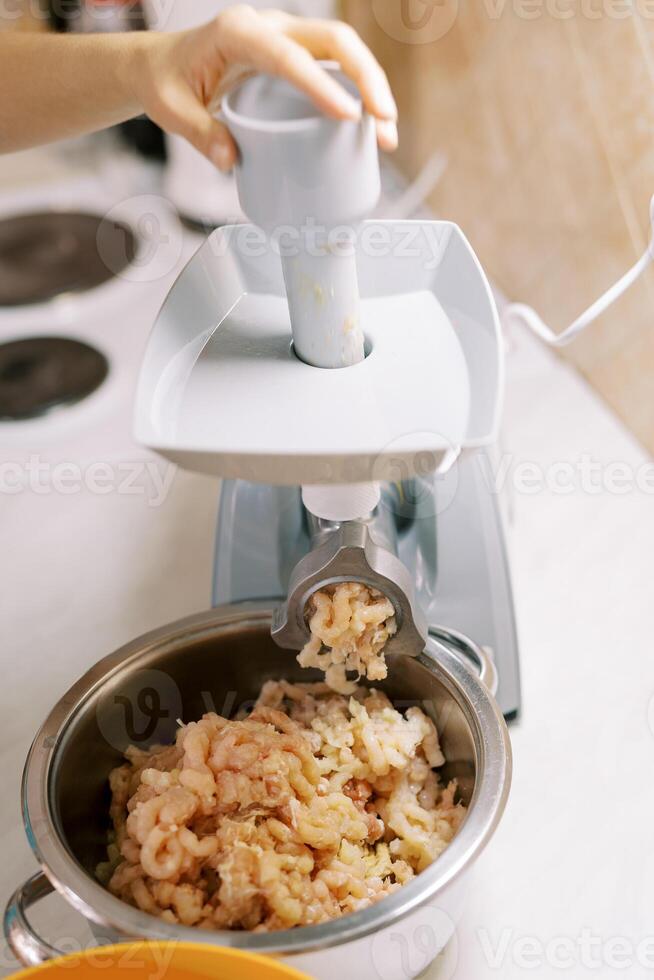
(181, 112)
(387, 134)
(279, 44)
(205, 61)
(340, 42)
(294, 63)
(260, 41)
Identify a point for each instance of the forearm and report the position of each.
(55, 87)
(52, 87)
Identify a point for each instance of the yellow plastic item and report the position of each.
(162, 961)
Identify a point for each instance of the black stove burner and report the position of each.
(41, 373)
(45, 254)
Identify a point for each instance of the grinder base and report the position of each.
(453, 542)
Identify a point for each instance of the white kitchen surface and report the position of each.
(567, 885)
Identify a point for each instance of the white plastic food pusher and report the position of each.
(308, 181)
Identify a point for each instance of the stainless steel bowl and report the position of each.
(218, 660)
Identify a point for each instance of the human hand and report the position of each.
(179, 78)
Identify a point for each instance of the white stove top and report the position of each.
(100, 540)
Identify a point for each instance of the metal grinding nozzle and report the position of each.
(352, 551)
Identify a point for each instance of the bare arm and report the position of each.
(59, 86)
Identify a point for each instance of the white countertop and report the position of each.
(569, 877)
(568, 881)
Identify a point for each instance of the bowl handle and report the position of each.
(26, 945)
(475, 657)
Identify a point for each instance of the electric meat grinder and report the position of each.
(344, 377)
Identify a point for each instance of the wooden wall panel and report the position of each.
(548, 126)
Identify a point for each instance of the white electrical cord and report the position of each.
(528, 316)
